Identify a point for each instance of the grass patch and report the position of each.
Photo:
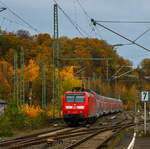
(142, 134)
(114, 142)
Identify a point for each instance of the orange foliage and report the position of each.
(4, 73)
(69, 80)
(31, 71)
(66, 73)
(33, 111)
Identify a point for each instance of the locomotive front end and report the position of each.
(74, 107)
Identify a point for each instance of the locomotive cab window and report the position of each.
(75, 98)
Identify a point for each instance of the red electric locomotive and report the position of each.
(83, 105)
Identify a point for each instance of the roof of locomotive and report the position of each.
(83, 90)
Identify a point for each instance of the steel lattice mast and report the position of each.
(16, 83)
(56, 61)
(22, 96)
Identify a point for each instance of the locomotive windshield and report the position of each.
(75, 98)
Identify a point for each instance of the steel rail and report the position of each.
(96, 133)
(29, 136)
(58, 136)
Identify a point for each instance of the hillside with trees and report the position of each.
(38, 49)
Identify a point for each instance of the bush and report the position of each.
(15, 116)
(14, 119)
(10, 120)
(5, 126)
(37, 122)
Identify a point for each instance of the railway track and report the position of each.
(99, 138)
(68, 138)
(15, 141)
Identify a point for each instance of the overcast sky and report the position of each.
(39, 13)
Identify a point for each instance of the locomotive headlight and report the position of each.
(68, 107)
(80, 107)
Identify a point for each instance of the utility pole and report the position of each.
(145, 119)
(30, 93)
(82, 78)
(16, 83)
(94, 82)
(22, 96)
(89, 79)
(56, 59)
(107, 77)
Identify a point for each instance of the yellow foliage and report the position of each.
(66, 73)
(128, 106)
(141, 133)
(50, 111)
(123, 90)
(125, 106)
(132, 91)
(4, 74)
(33, 111)
(69, 80)
(31, 71)
(146, 86)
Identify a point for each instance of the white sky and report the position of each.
(39, 13)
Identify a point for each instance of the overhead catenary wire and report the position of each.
(14, 22)
(142, 34)
(2, 22)
(20, 18)
(115, 77)
(95, 22)
(98, 33)
(89, 18)
(130, 22)
(77, 27)
(85, 12)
